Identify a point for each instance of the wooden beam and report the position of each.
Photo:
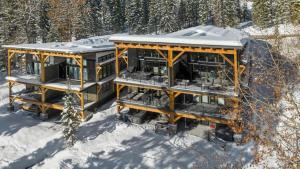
(161, 54)
(122, 52)
(117, 67)
(236, 72)
(175, 48)
(242, 69)
(226, 59)
(144, 108)
(177, 57)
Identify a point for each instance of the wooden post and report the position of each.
(81, 73)
(42, 60)
(44, 114)
(82, 105)
(170, 68)
(236, 72)
(172, 107)
(117, 63)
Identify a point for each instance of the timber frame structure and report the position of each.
(43, 86)
(171, 53)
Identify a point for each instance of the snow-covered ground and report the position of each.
(104, 142)
(283, 29)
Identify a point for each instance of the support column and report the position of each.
(9, 62)
(117, 67)
(10, 106)
(82, 113)
(81, 73)
(118, 98)
(44, 114)
(171, 83)
(170, 68)
(42, 60)
(172, 107)
(236, 72)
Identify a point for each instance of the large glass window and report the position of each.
(73, 70)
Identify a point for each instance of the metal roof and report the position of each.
(199, 36)
(93, 44)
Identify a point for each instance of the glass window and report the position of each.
(221, 101)
(204, 99)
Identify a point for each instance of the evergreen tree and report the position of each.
(230, 13)
(94, 17)
(44, 20)
(218, 13)
(80, 29)
(203, 12)
(192, 12)
(295, 11)
(70, 119)
(246, 15)
(262, 13)
(155, 15)
(182, 14)
(134, 17)
(168, 20)
(53, 34)
(106, 18)
(283, 11)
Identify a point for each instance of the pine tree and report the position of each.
(53, 34)
(262, 13)
(106, 17)
(155, 15)
(182, 14)
(94, 17)
(118, 17)
(192, 12)
(80, 29)
(168, 21)
(218, 13)
(134, 17)
(295, 11)
(246, 15)
(283, 11)
(44, 20)
(203, 12)
(70, 119)
(230, 13)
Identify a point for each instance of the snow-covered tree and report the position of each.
(192, 12)
(168, 21)
(262, 13)
(134, 16)
(295, 11)
(106, 18)
(44, 20)
(230, 13)
(155, 14)
(246, 14)
(70, 119)
(182, 14)
(94, 17)
(203, 12)
(218, 13)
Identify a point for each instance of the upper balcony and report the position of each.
(204, 74)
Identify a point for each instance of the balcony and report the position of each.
(146, 99)
(204, 85)
(203, 109)
(143, 79)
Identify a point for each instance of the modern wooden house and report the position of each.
(196, 73)
(49, 70)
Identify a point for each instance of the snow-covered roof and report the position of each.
(93, 44)
(200, 36)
